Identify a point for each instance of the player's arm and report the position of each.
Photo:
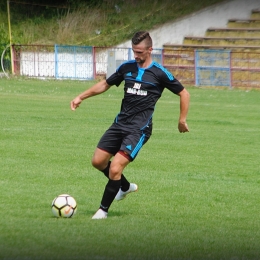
(184, 108)
(96, 89)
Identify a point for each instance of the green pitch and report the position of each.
(198, 195)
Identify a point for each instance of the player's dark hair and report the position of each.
(140, 36)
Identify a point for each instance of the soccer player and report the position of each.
(144, 82)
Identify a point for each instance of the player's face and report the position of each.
(141, 52)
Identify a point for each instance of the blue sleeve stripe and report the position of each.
(169, 75)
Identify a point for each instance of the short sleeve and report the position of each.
(117, 77)
(170, 82)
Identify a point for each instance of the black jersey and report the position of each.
(143, 87)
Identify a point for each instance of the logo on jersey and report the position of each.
(136, 90)
(137, 85)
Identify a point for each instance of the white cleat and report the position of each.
(100, 214)
(122, 194)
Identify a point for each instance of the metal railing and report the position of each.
(191, 67)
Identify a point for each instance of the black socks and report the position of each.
(110, 192)
(106, 170)
(112, 189)
(125, 185)
(124, 182)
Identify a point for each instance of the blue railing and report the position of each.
(212, 68)
(74, 62)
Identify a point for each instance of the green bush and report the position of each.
(3, 42)
(96, 23)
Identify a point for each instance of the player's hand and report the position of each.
(183, 127)
(75, 103)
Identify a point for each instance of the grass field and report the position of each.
(199, 192)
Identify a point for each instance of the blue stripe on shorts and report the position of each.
(138, 146)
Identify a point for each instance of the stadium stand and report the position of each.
(240, 36)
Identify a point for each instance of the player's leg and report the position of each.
(130, 147)
(101, 160)
(108, 146)
(114, 182)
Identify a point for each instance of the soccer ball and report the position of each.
(64, 206)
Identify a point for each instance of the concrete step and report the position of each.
(255, 14)
(243, 23)
(241, 77)
(244, 64)
(245, 60)
(245, 78)
(240, 64)
(181, 64)
(193, 47)
(233, 32)
(185, 58)
(229, 41)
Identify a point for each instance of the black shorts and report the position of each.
(129, 142)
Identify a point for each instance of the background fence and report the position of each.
(74, 62)
(212, 68)
(192, 67)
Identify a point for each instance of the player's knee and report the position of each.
(115, 172)
(98, 164)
